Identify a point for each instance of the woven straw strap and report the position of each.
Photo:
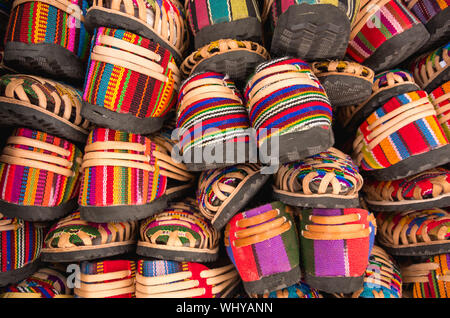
(206, 88)
(169, 25)
(222, 190)
(367, 9)
(419, 273)
(384, 190)
(428, 71)
(404, 228)
(273, 78)
(133, 57)
(220, 47)
(37, 159)
(259, 228)
(325, 68)
(8, 224)
(97, 155)
(64, 5)
(335, 227)
(63, 97)
(180, 285)
(286, 179)
(440, 110)
(386, 125)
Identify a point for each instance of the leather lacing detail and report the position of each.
(325, 68)
(425, 73)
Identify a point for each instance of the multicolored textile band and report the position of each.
(425, 10)
(39, 169)
(35, 22)
(20, 243)
(169, 279)
(120, 168)
(403, 127)
(284, 96)
(130, 74)
(210, 111)
(440, 97)
(377, 22)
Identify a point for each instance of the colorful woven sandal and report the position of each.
(179, 233)
(428, 189)
(210, 21)
(329, 179)
(47, 282)
(48, 38)
(435, 15)
(131, 82)
(73, 239)
(235, 58)
(128, 176)
(432, 69)
(221, 193)
(212, 122)
(346, 83)
(386, 85)
(162, 22)
(401, 138)
(263, 245)
(335, 245)
(311, 30)
(382, 278)
(21, 243)
(414, 233)
(289, 110)
(107, 279)
(39, 176)
(42, 104)
(169, 279)
(429, 278)
(382, 32)
(440, 97)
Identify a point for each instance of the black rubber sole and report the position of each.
(317, 201)
(122, 213)
(18, 115)
(412, 165)
(344, 90)
(376, 102)
(311, 32)
(76, 256)
(439, 80)
(335, 284)
(96, 18)
(398, 48)
(17, 275)
(238, 65)
(273, 282)
(240, 200)
(179, 256)
(125, 122)
(439, 29)
(44, 59)
(33, 213)
(426, 250)
(240, 153)
(247, 29)
(297, 145)
(424, 204)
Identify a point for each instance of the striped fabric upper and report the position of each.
(36, 22)
(20, 243)
(104, 184)
(259, 250)
(425, 10)
(39, 169)
(202, 13)
(279, 102)
(440, 97)
(405, 126)
(139, 77)
(372, 29)
(210, 111)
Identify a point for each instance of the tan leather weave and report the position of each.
(429, 70)
(367, 9)
(8, 224)
(94, 286)
(325, 68)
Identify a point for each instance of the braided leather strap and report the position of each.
(325, 68)
(430, 65)
(413, 228)
(331, 172)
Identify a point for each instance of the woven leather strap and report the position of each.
(8, 224)
(428, 71)
(325, 68)
(441, 110)
(367, 9)
(419, 273)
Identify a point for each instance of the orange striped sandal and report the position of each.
(346, 83)
(414, 233)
